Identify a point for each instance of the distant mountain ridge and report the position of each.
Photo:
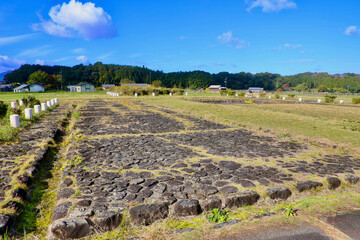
(2, 75)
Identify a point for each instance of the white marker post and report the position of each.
(135, 94)
(153, 94)
(284, 98)
(341, 101)
(43, 107)
(56, 100)
(13, 104)
(28, 113)
(269, 97)
(52, 102)
(300, 99)
(48, 103)
(236, 95)
(170, 94)
(15, 121)
(21, 103)
(245, 95)
(37, 109)
(319, 100)
(186, 94)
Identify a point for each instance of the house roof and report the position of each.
(108, 85)
(36, 84)
(6, 86)
(21, 87)
(256, 88)
(215, 86)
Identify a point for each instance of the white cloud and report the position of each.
(40, 62)
(77, 19)
(271, 5)
(82, 59)
(136, 55)
(61, 59)
(37, 52)
(228, 39)
(106, 55)
(352, 30)
(7, 63)
(14, 39)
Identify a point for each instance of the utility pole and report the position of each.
(61, 80)
(225, 82)
(150, 77)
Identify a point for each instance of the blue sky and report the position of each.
(278, 36)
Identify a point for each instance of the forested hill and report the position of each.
(99, 74)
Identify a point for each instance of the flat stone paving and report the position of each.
(348, 223)
(147, 154)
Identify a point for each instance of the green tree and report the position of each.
(39, 77)
(157, 83)
(126, 80)
(322, 88)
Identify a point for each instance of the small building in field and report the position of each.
(6, 87)
(255, 90)
(107, 86)
(216, 88)
(82, 87)
(22, 88)
(135, 84)
(36, 87)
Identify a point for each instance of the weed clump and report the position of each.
(330, 98)
(3, 109)
(356, 100)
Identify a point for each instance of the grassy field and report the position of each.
(329, 123)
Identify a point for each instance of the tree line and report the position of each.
(58, 77)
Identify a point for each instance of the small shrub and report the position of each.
(3, 109)
(98, 89)
(241, 94)
(356, 100)
(329, 98)
(262, 95)
(231, 92)
(177, 91)
(15, 111)
(292, 95)
(74, 105)
(76, 115)
(290, 211)
(218, 216)
(277, 96)
(223, 92)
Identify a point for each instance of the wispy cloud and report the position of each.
(61, 59)
(352, 30)
(40, 62)
(37, 52)
(219, 64)
(182, 38)
(301, 61)
(106, 55)
(136, 55)
(270, 5)
(7, 63)
(229, 40)
(201, 66)
(14, 39)
(82, 59)
(79, 50)
(77, 19)
(290, 46)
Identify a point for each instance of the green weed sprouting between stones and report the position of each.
(283, 135)
(249, 102)
(76, 115)
(290, 211)
(218, 216)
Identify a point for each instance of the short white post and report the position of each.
(135, 94)
(319, 100)
(48, 103)
(117, 94)
(15, 121)
(28, 113)
(170, 94)
(43, 107)
(236, 95)
(284, 98)
(21, 103)
(300, 99)
(13, 104)
(257, 96)
(153, 94)
(56, 100)
(341, 101)
(52, 102)
(186, 94)
(245, 95)
(269, 97)
(227, 94)
(37, 109)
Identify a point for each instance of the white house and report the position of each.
(255, 90)
(22, 88)
(36, 87)
(82, 87)
(216, 88)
